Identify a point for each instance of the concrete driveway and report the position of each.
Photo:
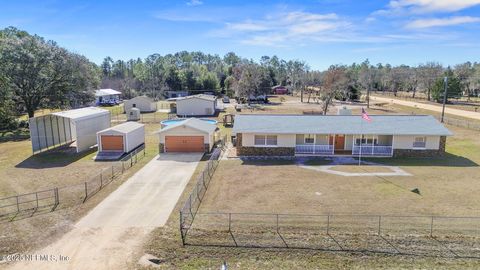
(111, 235)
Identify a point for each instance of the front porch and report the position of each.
(344, 145)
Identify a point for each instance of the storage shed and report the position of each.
(75, 127)
(121, 138)
(143, 103)
(197, 105)
(191, 135)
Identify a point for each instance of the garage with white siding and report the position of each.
(120, 139)
(191, 135)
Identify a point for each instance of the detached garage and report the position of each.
(191, 135)
(115, 141)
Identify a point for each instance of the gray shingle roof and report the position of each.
(339, 124)
(193, 123)
(200, 96)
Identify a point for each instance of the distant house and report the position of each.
(280, 90)
(175, 94)
(107, 97)
(143, 103)
(197, 105)
(330, 135)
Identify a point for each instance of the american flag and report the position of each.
(365, 116)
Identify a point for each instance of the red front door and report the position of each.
(339, 142)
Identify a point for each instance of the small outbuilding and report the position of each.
(143, 103)
(191, 135)
(76, 128)
(107, 97)
(120, 139)
(197, 105)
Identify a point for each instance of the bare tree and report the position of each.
(333, 81)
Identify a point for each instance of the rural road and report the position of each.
(109, 235)
(462, 113)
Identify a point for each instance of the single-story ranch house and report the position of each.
(143, 103)
(189, 135)
(327, 135)
(197, 105)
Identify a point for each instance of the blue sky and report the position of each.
(321, 32)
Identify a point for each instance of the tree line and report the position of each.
(36, 73)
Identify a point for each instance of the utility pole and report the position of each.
(445, 83)
(301, 93)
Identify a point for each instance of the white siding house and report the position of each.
(328, 135)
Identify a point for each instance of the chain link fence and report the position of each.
(191, 206)
(410, 235)
(48, 200)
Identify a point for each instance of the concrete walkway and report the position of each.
(109, 236)
(435, 108)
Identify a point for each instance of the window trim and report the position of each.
(424, 140)
(265, 141)
(308, 135)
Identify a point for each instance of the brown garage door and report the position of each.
(112, 143)
(184, 144)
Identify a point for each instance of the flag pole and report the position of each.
(361, 139)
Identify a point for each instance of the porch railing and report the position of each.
(314, 149)
(372, 150)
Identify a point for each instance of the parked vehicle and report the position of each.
(226, 100)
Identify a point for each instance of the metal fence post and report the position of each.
(112, 172)
(131, 160)
(57, 199)
(86, 192)
(379, 224)
(36, 197)
(123, 167)
(181, 228)
(18, 205)
(277, 225)
(328, 224)
(229, 222)
(101, 178)
(431, 227)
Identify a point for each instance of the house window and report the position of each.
(419, 142)
(271, 140)
(262, 140)
(309, 139)
(134, 105)
(367, 140)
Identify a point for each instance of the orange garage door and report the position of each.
(112, 143)
(184, 144)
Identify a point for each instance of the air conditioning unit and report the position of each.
(133, 114)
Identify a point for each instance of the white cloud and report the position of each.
(194, 3)
(427, 23)
(422, 6)
(284, 28)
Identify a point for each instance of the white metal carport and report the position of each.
(78, 127)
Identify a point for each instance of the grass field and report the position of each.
(448, 186)
(20, 172)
